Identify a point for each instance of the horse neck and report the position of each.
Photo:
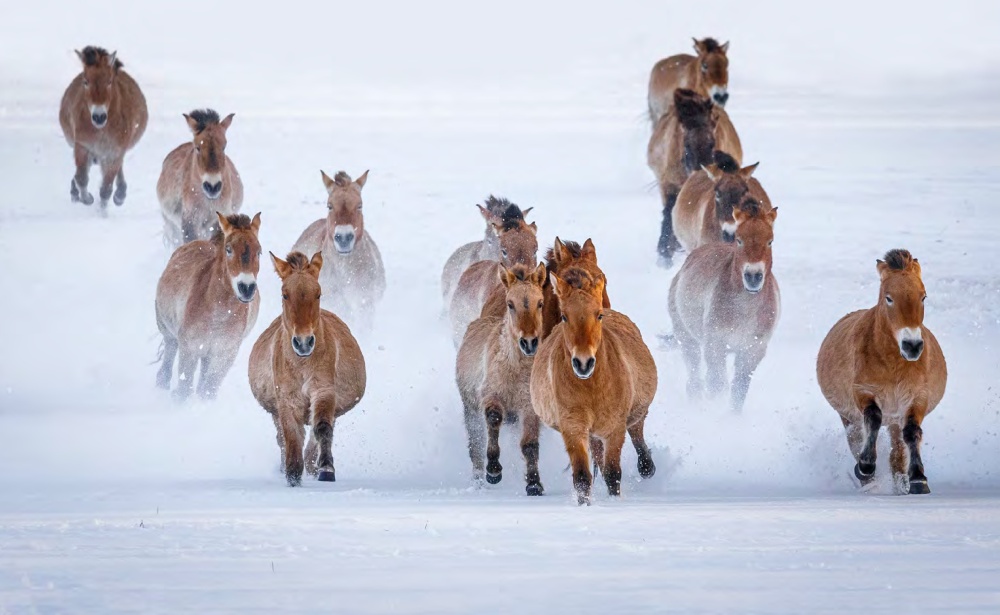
(879, 332)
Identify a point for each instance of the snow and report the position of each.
(873, 132)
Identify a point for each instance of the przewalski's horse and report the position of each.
(703, 212)
(207, 302)
(882, 366)
(593, 380)
(682, 143)
(486, 250)
(198, 179)
(725, 300)
(707, 74)
(493, 372)
(306, 369)
(103, 115)
(353, 278)
(518, 246)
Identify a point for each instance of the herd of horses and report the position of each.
(536, 342)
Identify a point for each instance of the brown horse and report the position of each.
(353, 279)
(518, 246)
(882, 366)
(725, 300)
(103, 115)
(594, 380)
(198, 179)
(682, 143)
(306, 369)
(493, 371)
(207, 302)
(703, 212)
(707, 74)
(486, 250)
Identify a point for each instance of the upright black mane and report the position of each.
(898, 259)
(710, 45)
(93, 56)
(572, 247)
(693, 110)
(237, 222)
(204, 118)
(725, 162)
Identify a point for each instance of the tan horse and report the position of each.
(706, 73)
(306, 369)
(206, 303)
(882, 366)
(703, 212)
(682, 143)
(198, 179)
(353, 278)
(518, 246)
(725, 300)
(486, 250)
(493, 371)
(103, 115)
(594, 380)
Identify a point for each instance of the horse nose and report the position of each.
(246, 291)
(212, 190)
(721, 98)
(584, 369)
(528, 346)
(303, 346)
(912, 349)
(99, 119)
(345, 241)
(753, 280)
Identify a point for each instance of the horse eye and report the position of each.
(86, 82)
(503, 253)
(284, 296)
(739, 241)
(540, 304)
(704, 67)
(318, 295)
(510, 306)
(563, 317)
(229, 250)
(600, 317)
(924, 298)
(770, 242)
(888, 300)
(360, 206)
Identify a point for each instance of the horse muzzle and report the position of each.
(344, 239)
(584, 369)
(212, 190)
(911, 344)
(753, 278)
(303, 345)
(245, 287)
(528, 346)
(720, 95)
(99, 115)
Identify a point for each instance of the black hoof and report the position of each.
(327, 476)
(919, 487)
(646, 467)
(864, 472)
(294, 481)
(534, 489)
(493, 479)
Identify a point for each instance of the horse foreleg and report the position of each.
(530, 426)
(167, 362)
(645, 464)
(747, 361)
(323, 417)
(715, 363)
(475, 429)
(597, 454)
(668, 243)
(187, 366)
(213, 369)
(612, 469)
(899, 460)
(109, 171)
(120, 186)
(292, 434)
(494, 418)
(576, 446)
(78, 185)
(913, 435)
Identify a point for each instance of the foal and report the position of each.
(207, 302)
(493, 371)
(594, 380)
(198, 179)
(707, 74)
(103, 115)
(306, 369)
(486, 250)
(704, 209)
(725, 300)
(882, 366)
(353, 279)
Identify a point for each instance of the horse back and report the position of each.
(665, 153)
(312, 239)
(726, 137)
(170, 185)
(667, 75)
(473, 288)
(474, 356)
(693, 214)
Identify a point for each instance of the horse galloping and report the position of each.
(707, 74)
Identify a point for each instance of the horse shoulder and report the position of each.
(634, 356)
(838, 363)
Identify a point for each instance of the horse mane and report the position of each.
(725, 162)
(692, 110)
(204, 118)
(511, 218)
(342, 178)
(237, 222)
(521, 272)
(898, 259)
(579, 278)
(297, 261)
(498, 206)
(710, 45)
(93, 56)
(572, 247)
(750, 207)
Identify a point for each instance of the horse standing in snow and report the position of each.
(486, 250)
(703, 212)
(725, 300)
(707, 74)
(882, 366)
(103, 115)
(594, 380)
(198, 179)
(306, 369)
(207, 302)
(493, 371)
(353, 276)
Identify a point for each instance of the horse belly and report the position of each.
(835, 366)
(260, 370)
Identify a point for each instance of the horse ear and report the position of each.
(605, 300)
(525, 212)
(882, 268)
(915, 265)
(746, 172)
(697, 45)
(361, 180)
(708, 172)
(598, 291)
(540, 274)
(558, 286)
(589, 252)
(191, 122)
(113, 59)
(329, 183)
(739, 216)
(505, 275)
(772, 215)
(316, 264)
(561, 253)
(255, 223)
(79, 54)
(227, 121)
(725, 47)
(534, 228)
(281, 267)
(224, 224)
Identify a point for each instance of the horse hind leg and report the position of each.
(597, 452)
(120, 187)
(109, 171)
(166, 362)
(187, 366)
(913, 435)
(645, 463)
(530, 426)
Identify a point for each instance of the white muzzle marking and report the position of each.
(344, 238)
(911, 343)
(753, 277)
(245, 287)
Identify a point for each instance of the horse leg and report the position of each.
(475, 429)
(494, 418)
(120, 186)
(862, 439)
(612, 470)
(597, 452)
(167, 362)
(78, 185)
(280, 437)
(715, 362)
(899, 460)
(747, 361)
(109, 170)
(668, 242)
(529, 448)
(691, 348)
(186, 368)
(576, 447)
(292, 434)
(311, 452)
(645, 464)
(912, 436)
(213, 369)
(323, 416)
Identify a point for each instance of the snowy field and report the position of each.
(873, 132)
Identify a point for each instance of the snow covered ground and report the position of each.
(873, 133)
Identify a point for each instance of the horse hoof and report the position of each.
(294, 481)
(864, 473)
(919, 487)
(119, 200)
(646, 467)
(583, 499)
(534, 489)
(327, 476)
(493, 479)
(87, 199)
